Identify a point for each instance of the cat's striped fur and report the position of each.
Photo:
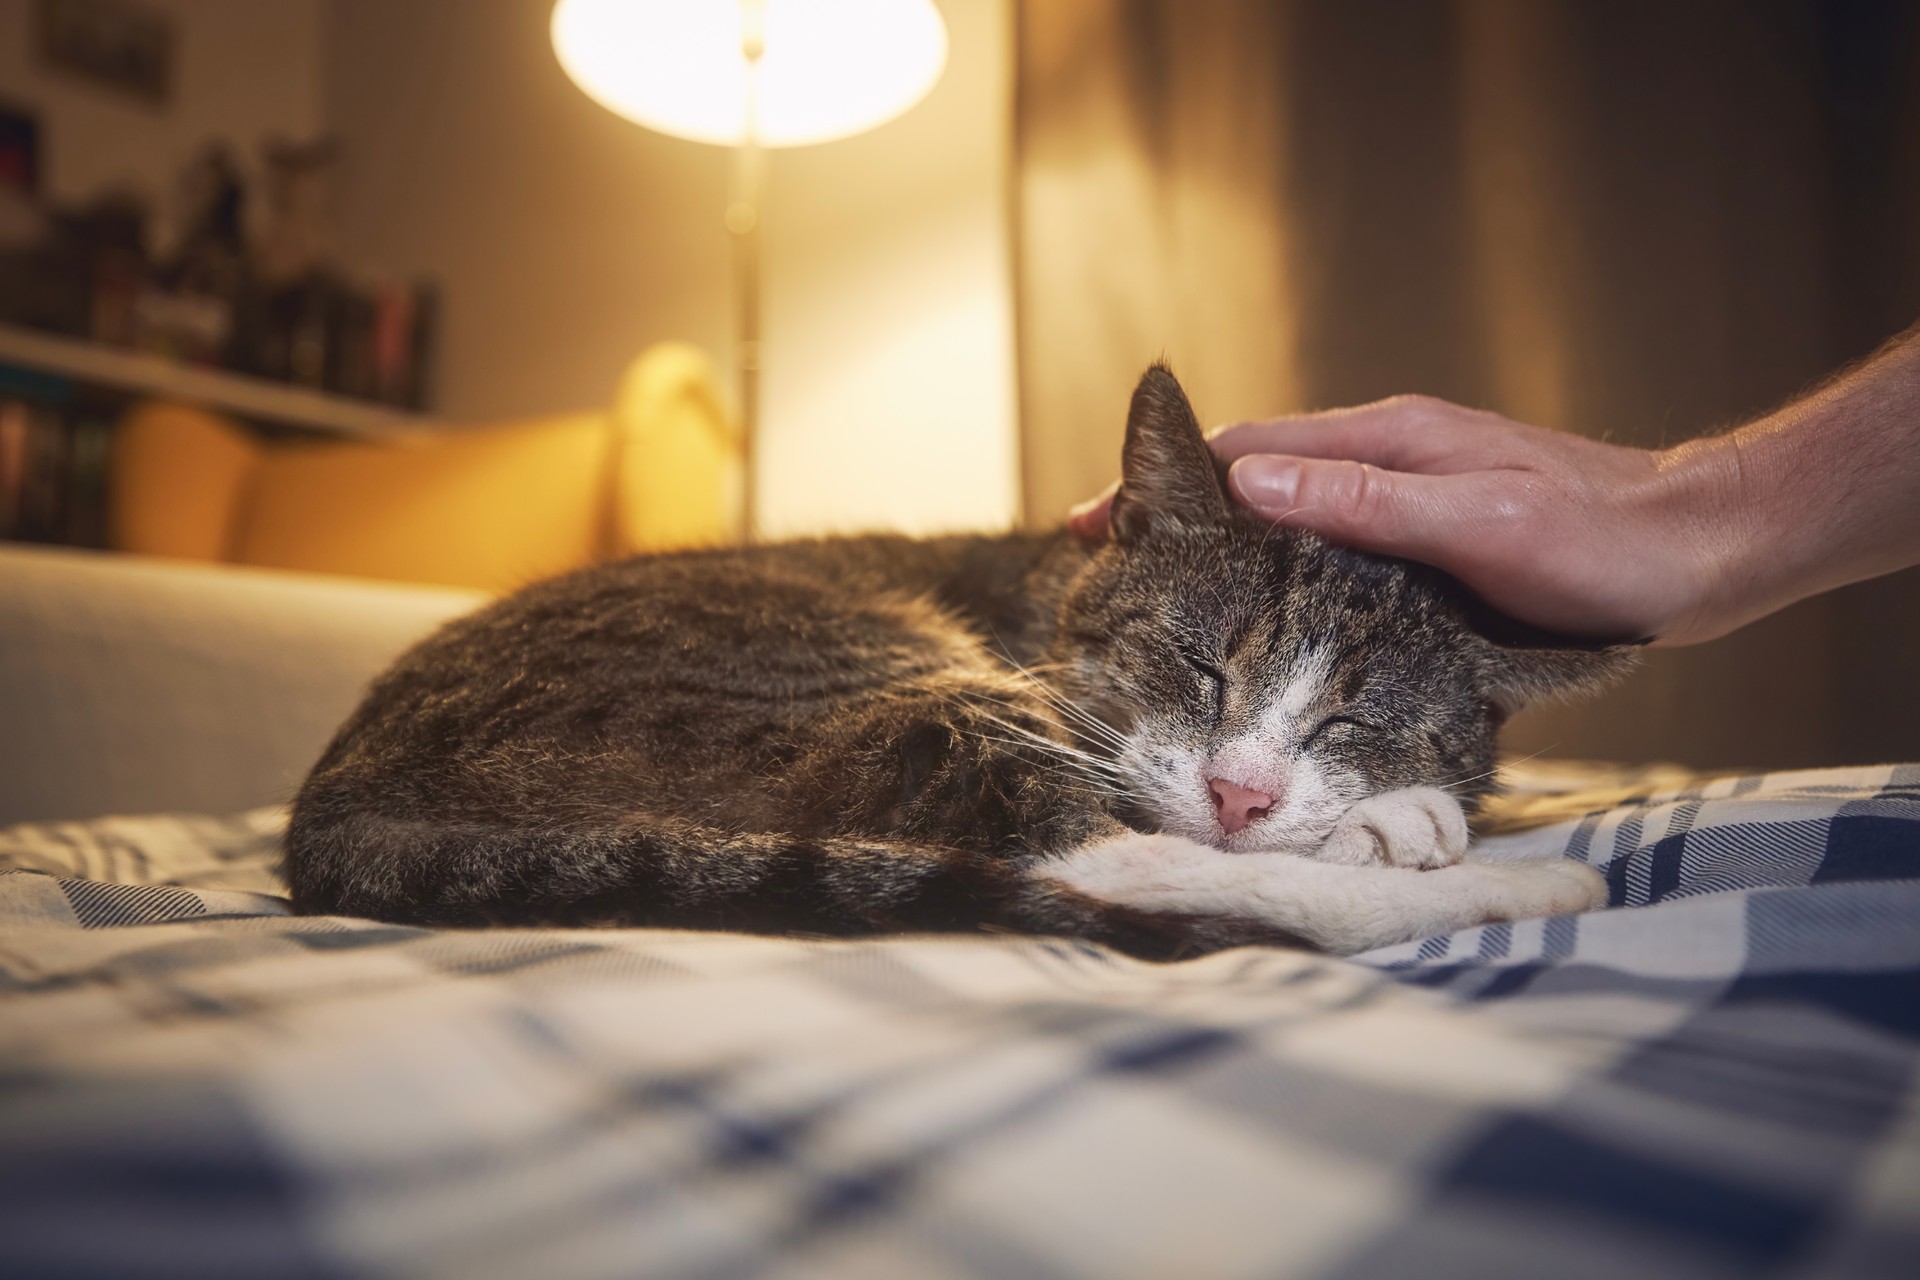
(865, 735)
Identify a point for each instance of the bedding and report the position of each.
(1714, 1077)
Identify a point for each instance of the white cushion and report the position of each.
(132, 685)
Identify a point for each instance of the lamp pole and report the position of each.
(743, 221)
(675, 67)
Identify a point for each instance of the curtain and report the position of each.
(1627, 218)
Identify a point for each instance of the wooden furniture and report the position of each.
(146, 376)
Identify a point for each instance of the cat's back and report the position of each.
(687, 654)
(805, 598)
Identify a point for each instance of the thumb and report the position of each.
(1391, 512)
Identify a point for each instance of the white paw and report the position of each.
(1341, 909)
(1417, 827)
(1524, 890)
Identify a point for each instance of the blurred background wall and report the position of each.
(245, 70)
(1639, 221)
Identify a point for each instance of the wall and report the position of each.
(890, 376)
(243, 71)
(567, 239)
(1636, 222)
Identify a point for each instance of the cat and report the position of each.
(1206, 732)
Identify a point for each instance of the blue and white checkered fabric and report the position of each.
(1716, 1078)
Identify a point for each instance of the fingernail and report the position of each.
(1265, 482)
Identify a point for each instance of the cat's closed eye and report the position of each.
(1215, 684)
(1332, 725)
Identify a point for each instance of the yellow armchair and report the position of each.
(489, 507)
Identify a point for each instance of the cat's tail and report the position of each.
(652, 873)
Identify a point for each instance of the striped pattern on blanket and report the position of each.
(1717, 1077)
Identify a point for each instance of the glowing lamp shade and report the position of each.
(828, 68)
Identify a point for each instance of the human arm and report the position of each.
(1678, 545)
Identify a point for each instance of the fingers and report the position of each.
(1088, 520)
(1353, 503)
(1359, 505)
(1408, 436)
(1405, 433)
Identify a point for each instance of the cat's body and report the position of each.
(1205, 734)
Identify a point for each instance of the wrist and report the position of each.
(1713, 495)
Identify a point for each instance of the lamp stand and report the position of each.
(743, 221)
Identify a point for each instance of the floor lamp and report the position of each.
(752, 75)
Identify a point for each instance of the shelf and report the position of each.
(237, 394)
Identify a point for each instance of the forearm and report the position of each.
(1821, 493)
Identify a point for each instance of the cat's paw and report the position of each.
(1379, 907)
(1169, 870)
(1529, 888)
(1417, 827)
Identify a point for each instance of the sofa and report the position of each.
(491, 506)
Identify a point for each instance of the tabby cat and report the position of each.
(1207, 732)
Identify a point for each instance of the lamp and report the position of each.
(752, 74)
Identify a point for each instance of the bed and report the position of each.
(1715, 1076)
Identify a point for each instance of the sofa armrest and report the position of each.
(131, 685)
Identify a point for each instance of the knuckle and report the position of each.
(1398, 413)
(1420, 416)
(1510, 510)
(1415, 407)
(1365, 491)
(1351, 491)
(1529, 499)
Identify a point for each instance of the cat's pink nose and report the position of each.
(1236, 806)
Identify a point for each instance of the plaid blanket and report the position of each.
(1715, 1078)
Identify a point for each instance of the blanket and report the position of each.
(1716, 1076)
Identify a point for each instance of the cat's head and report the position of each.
(1250, 683)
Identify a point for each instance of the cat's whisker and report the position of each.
(1052, 744)
(1066, 753)
(1095, 726)
(1091, 725)
(1081, 758)
(1067, 773)
(1118, 743)
(1078, 781)
(1461, 782)
(971, 702)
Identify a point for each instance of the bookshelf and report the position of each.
(60, 398)
(254, 399)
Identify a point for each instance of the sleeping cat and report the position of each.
(1208, 732)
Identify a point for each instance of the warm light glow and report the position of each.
(830, 68)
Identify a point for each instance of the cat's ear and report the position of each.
(1520, 665)
(1168, 478)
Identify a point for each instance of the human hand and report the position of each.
(1568, 534)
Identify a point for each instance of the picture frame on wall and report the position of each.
(122, 45)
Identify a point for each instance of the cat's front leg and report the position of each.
(1417, 827)
(1340, 909)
